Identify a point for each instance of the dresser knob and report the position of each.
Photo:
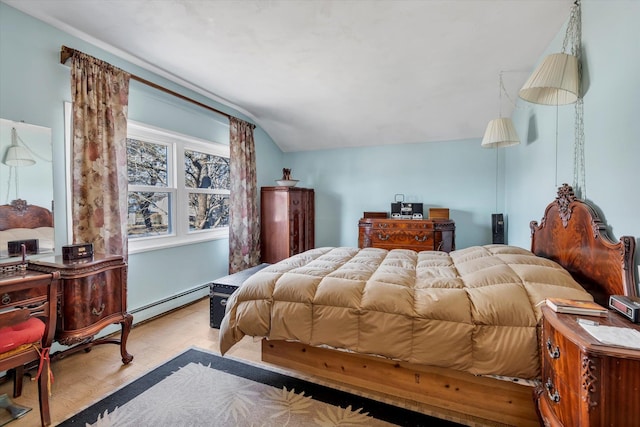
(6, 299)
(553, 353)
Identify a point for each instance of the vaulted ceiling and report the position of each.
(317, 74)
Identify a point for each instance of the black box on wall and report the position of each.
(497, 228)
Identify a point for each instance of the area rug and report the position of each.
(198, 388)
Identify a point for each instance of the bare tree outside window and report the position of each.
(147, 166)
(179, 188)
(207, 179)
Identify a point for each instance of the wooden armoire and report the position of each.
(286, 222)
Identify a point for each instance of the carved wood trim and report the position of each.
(589, 375)
(599, 263)
(565, 197)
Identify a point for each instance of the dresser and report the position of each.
(585, 383)
(415, 234)
(287, 224)
(92, 295)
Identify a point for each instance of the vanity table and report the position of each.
(92, 295)
(27, 300)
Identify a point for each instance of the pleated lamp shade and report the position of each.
(500, 133)
(18, 156)
(556, 81)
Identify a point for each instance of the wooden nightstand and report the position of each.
(585, 383)
(92, 295)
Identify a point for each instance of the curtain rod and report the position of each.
(67, 52)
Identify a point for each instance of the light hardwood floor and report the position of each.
(84, 378)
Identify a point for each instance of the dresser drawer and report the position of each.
(38, 292)
(89, 299)
(400, 238)
(403, 225)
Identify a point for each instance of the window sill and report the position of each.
(158, 243)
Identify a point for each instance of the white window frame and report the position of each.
(176, 143)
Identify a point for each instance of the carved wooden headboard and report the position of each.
(572, 234)
(20, 214)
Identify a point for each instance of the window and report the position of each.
(178, 188)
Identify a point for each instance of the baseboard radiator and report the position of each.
(180, 296)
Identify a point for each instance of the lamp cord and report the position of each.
(573, 42)
(557, 113)
(30, 150)
(579, 180)
(496, 179)
(13, 173)
(9, 185)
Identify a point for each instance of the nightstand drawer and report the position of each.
(559, 396)
(560, 357)
(89, 299)
(586, 383)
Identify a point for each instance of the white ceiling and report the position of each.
(318, 74)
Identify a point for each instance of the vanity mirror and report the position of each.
(26, 189)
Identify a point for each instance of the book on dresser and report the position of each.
(573, 306)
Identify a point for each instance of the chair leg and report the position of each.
(18, 376)
(43, 394)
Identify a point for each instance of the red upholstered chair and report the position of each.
(27, 325)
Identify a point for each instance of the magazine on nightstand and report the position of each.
(573, 306)
(612, 335)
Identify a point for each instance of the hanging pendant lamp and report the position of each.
(556, 81)
(17, 155)
(500, 133)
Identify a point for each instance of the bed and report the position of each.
(454, 332)
(21, 221)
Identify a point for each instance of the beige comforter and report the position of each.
(475, 309)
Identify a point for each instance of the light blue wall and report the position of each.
(33, 88)
(611, 87)
(459, 175)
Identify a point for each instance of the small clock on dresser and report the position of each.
(584, 382)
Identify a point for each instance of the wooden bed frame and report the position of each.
(20, 214)
(570, 233)
(20, 217)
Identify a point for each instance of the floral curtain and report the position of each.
(100, 94)
(244, 216)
